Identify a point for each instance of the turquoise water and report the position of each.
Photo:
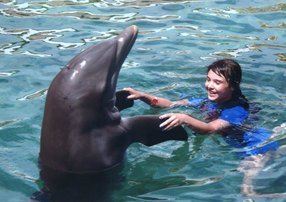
(177, 39)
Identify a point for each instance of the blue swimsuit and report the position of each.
(241, 134)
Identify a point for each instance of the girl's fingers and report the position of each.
(162, 125)
(169, 123)
(133, 93)
(131, 97)
(170, 126)
(165, 116)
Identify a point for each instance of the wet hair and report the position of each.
(231, 71)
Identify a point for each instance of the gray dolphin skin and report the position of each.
(83, 135)
(82, 130)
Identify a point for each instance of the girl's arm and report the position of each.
(175, 119)
(153, 100)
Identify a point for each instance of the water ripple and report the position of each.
(216, 12)
(126, 17)
(13, 49)
(281, 57)
(8, 122)
(28, 35)
(24, 176)
(177, 39)
(281, 25)
(8, 73)
(100, 4)
(280, 130)
(233, 53)
(138, 4)
(266, 9)
(91, 16)
(34, 95)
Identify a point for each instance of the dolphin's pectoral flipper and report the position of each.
(121, 100)
(146, 130)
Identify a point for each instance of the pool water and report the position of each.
(176, 41)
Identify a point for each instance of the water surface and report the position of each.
(177, 39)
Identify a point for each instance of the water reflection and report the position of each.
(34, 95)
(89, 16)
(101, 3)
(265, 9)
(28, 35)
(8, 122)
(177, 39)
(8, 73)
(281, 57)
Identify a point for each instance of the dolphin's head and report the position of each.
(89, 79)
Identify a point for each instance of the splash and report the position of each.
(280, 131)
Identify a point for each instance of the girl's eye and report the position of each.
(218, 82)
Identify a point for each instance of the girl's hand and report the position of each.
(134, 94)
(173, 120)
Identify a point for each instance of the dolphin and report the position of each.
(82, 130)
(83, 135)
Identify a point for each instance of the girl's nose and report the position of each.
(209, 84)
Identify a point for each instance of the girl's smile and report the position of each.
(217, 88)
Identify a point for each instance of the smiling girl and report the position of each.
(227, 113)
(225, 103)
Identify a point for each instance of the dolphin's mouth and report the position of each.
(125, 42)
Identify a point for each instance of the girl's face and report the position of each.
(217, 88)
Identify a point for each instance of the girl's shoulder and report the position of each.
(235, 115)
(235, 111)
